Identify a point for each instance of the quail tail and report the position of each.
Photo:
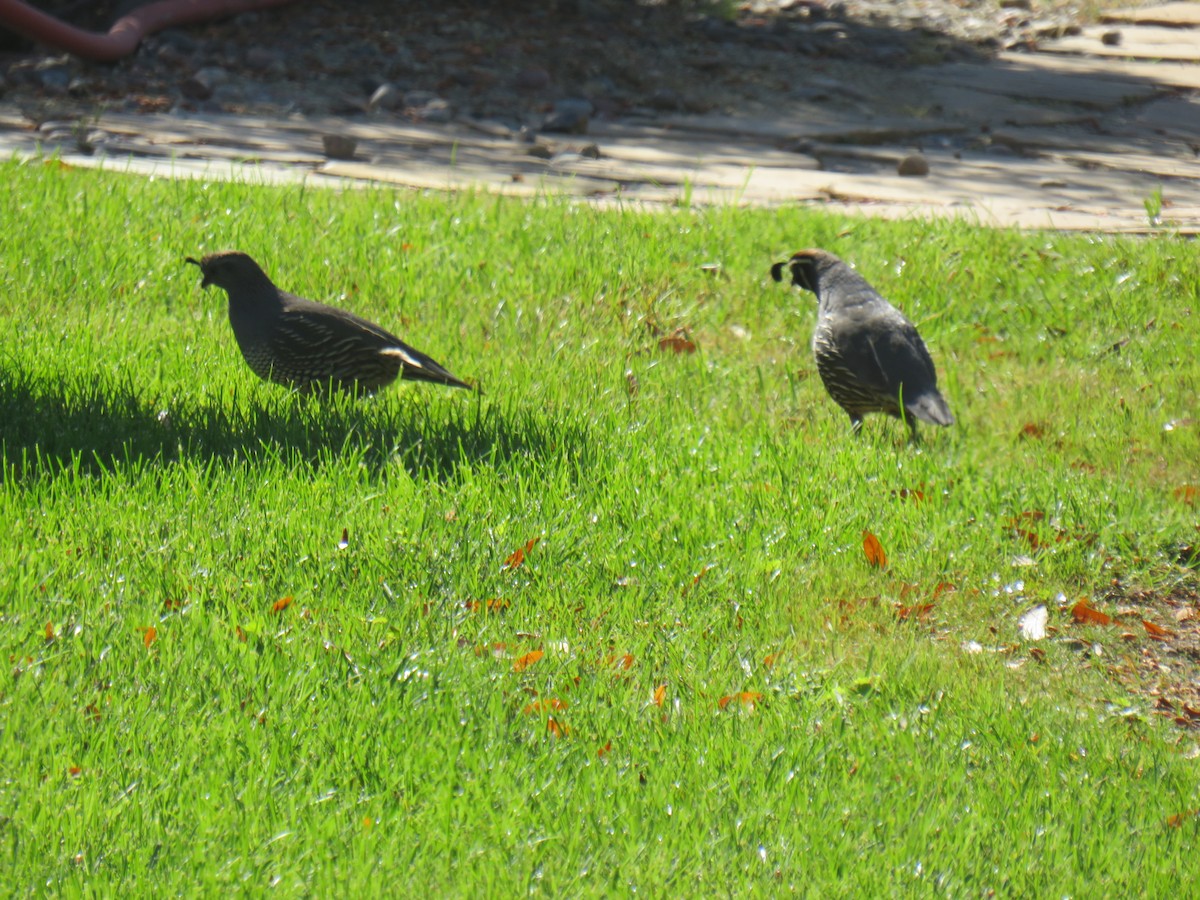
(419, 367)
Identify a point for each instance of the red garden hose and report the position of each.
(128, 31)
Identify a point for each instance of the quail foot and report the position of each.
(308, 345)
(868, 354)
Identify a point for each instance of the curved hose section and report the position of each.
(128, 31)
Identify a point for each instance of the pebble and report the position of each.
(437, 111)
(913, 166)
(386, 96)
(590, 151)
(339, 146)
(539, 151)
(194, 89)
(419, 98)
(1110, 38)
(55, 78)
(262, 59)
(569, 116)
(532, 79)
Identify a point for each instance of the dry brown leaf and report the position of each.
(873, 550)
(550, 704)
(557, 728)
(1187, 493)
(678, 342)
(281, 604)
(1086, 615)
(150, 636)
(660, 694)
(517, 557)
(605, 750)
(916, 611)
(524, 662)
(1157, 631)
(746, 698)
(1177, 820)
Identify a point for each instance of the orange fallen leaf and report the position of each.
(746, 698)
(517, 557)
(550, 703)
(769, 660)
(556, 728)
(605, 750)
(171, 605)
(524, 662)
(677, 343)
(1156, 631)
(873, 550)
(1037, 653)
(1084, 614)
(74, 771)
(916, 611)
(91, 711)
(621, 662)
(150, 636)
(1177, 820)
(1188, 493)
(660, 694)
(49, 632)
(1031, 430)
(943, 587)
(695, 580)
(492, 605)
(281, 604)
(241, 635)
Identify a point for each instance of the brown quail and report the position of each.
(868, 354)
(307, 345)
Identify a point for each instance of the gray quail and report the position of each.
(868, 354)
(308, 345)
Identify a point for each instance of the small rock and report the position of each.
(195, 89)
(212, 76)
(414, 99)
(568, 117)
(386, 96)
(339, 146)
(179, 40)
(1110, 38)
(1016, 4)
(436, 111)
(263, 59)
(664, 98)
(590, 151)
(532, 79)
(540, 151)
(55, 78)
(913, 166)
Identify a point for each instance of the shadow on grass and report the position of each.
(86, 427)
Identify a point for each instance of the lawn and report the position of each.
(606, 626)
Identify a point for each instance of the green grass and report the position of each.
(700, 520)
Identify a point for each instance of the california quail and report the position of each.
(868, 354)
(308, 345)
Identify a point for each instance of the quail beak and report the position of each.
(204, 282)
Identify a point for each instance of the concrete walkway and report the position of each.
(1080, 135)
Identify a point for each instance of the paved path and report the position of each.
(1078, 135)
